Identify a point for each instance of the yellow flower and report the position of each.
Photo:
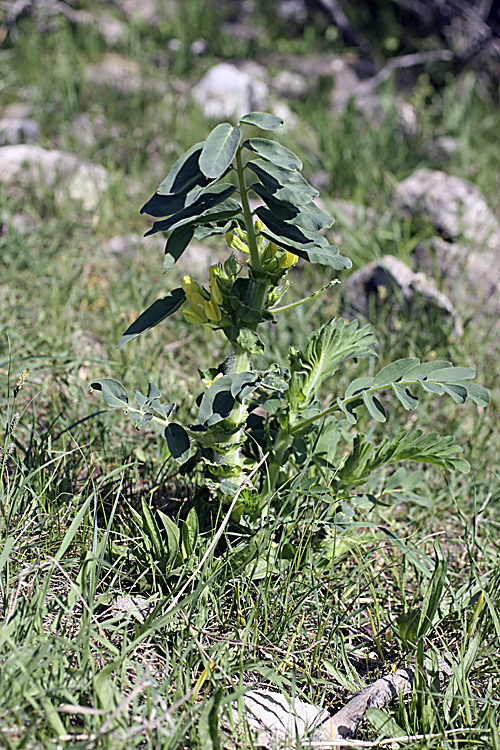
(288, 260)
(201, 309)
(208, 383)
(236, 242)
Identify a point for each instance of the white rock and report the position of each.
(64, 173)
(14, 130)
(226, 92)
(290, 85)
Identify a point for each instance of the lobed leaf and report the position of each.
(219, 150)
(333, 343)
(157, 312)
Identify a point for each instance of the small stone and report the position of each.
(115, 71)
(15, 130)
(290, 85)
(226, 92)
(293, 10)
(198, 47)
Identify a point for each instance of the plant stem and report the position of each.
(280, 446)
(252, 239)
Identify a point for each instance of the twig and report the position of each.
(398, 63)
(344, 723)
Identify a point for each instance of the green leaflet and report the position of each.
(185, 172)
(157, 312)
(262, 120)
(219, 150)
(275, 179)
(177, 441)
(176, 244)
(113, 392)
(273, 152)
(197, 213)
(287, 211)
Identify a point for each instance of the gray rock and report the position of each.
(195, 260)
(87, 130)
(14, 130)
(290, 85)
(470, 277)
(22, 223)
(69, 177)
(18, 111)
(456, 207)
(148, 12)
(346, 79)
(227, 92)
(293, 10)
(375, 108)
(112, 30)
(115, 71)
(390, 281)
(443, 146)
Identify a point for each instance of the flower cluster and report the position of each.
(202, 306)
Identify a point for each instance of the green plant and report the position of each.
(245, 413)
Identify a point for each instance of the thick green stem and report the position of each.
(239, 361)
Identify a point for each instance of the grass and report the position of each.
(308, 605)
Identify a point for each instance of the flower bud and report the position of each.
(269, 251)
(193, 317)
(212, 311)
(288, 260)
(215, 292)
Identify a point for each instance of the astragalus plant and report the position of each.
(243, 412)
